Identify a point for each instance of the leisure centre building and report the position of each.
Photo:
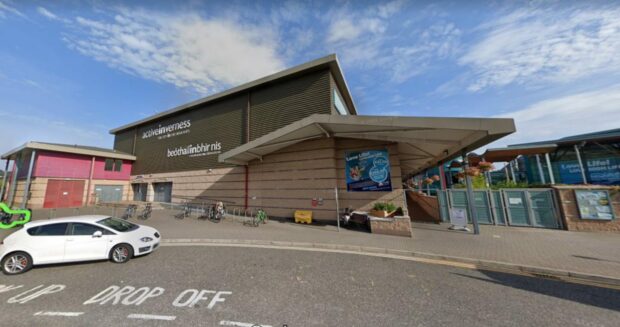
(289, 141)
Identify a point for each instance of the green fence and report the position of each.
(511, 207)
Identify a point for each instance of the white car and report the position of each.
(72, 239)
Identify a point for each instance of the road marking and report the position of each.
(150, 317)
(240, 324)
(58, 313)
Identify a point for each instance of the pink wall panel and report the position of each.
(101, 173)
(56, 164)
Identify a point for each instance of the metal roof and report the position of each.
(330, 61)
(70, 148)
(511, 152)
(423, 142)
(610, 134)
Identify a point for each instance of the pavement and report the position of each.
(194, 285)
(588, 255)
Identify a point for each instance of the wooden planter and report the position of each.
(381, 213)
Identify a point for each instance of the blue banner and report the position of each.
(368, 171)
(601, 171)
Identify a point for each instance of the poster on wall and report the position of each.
(368, 171)
(604, 171)
(594, 204)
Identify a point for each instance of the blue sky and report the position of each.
(70, 71)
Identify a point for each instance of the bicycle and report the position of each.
(206, 213)
(184, 213)
(146, 213)
(130, 211)
(260, 218)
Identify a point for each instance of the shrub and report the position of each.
(384, 206)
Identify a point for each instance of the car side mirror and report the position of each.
(97, 234)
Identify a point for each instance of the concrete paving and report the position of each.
(582, 252)
(263, 287)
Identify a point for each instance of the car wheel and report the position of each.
(16, 263)
(121, 253)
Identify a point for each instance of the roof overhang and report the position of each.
(29, 146)
(423, 142)
(328, 62)
(512, 152)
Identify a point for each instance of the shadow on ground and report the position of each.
(606, 298)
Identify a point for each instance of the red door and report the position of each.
(63, 194)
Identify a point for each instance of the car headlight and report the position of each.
(146, 239)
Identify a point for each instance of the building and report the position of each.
(292, 140)
(592, 158)
(47, 175)
(280, 143)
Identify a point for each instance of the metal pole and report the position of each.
(442, 177)
(337, 208)
(512, 172)
(506, 173)
(581, 169)
(13, 186)
(470, 195)
(28, 179)
(4, 178)
(549, 168)
(540, 170)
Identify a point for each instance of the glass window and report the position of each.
(118, 165)
(49, 230)
(340, 106)
(118, 224)
(84, 229)
(109, 164)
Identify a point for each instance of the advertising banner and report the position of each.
(368, 171)
(601, 171)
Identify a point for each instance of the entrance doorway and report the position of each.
(63, 194)
(139, 191)
(163, 192)
(109, 193)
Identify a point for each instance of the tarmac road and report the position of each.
(228, 286)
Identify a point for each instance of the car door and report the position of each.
(48, 243)
(82, 244)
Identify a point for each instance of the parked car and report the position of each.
(74, 239)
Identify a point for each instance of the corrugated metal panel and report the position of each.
(278, 105)
(221, 121)
(124, 141)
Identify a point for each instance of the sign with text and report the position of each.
(604, 171)
(458, 217)
(594, 204)
(368, 171)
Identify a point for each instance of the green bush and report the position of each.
(384, 206)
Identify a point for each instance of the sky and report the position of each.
(72, 70)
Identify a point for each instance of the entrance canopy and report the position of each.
(423, 142)
(513, 151)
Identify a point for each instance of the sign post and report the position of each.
(458, 219)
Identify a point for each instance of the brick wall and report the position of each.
(570, 210)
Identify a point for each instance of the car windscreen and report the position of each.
(118, 224)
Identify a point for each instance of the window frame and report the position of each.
(109, 164)
(104, 231)
(38, 228)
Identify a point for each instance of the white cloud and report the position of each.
(439, 41)
(5, 8)
(186, 50)
(50, 15)
(545, 45)
(564, 116)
